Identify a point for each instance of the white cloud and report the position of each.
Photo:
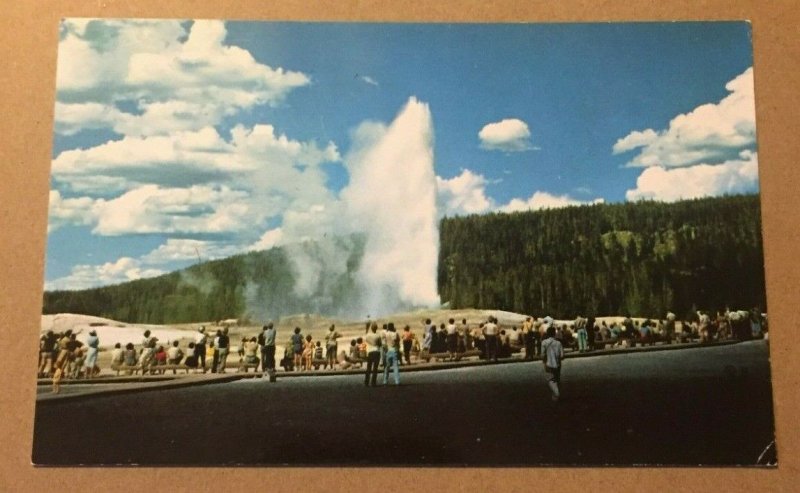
(509, 135)
(176, 78)
(544, 200)
(462, 194)
(710, 134)
(182, 249)
(63, 211)
(185, 158)
(271, 238)
(635, 139)
(87, 276)
(369, 80)
(152, 209)
(701, 180)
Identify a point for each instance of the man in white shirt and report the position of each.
(391, 342)
(552, 354)
(490, 333)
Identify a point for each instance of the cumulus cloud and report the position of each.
(88, 276)
(194, 210)
(701, 180)
(271, 238)
(191, 157)
(462, 194)
(63, 211)
(711, 133)
(543, 200)
(177, 75)
(182, 250)
(509, 135)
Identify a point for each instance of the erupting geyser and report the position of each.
(391, 197)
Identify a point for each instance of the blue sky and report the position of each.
(175, 140)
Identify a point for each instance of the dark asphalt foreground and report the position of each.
(708, 406)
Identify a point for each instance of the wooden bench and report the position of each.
(602, 343)
(244, 367)
(160, 369)
(426, 356)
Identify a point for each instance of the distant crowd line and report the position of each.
(63, 356)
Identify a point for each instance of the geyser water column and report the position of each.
(392, 198)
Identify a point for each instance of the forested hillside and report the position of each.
(640, 258)
(257, 285)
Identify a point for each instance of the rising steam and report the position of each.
(392, 199)
(390, 206)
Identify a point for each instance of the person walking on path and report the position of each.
(552, 354)
(373, 340)
(391, 341)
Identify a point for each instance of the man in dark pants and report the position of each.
(591, 332)
(200, 347)
(268, 351)
(223, 343)
(490, 331)
(373, 340)
(537, 337)
(527, 331)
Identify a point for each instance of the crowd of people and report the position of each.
(63, 356)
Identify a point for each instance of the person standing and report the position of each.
(268, 351)
(223, 344)
(93, 343)
(451, 338)
(215, 352)
(527, 335)
(260, 340)
(490, 333)
(552, 354)
(583, 338)
(297, 349)
(391, 341)
(200, 347)
(373, 340)
(331, 346)
(408, 343)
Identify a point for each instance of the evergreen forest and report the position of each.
(642, 259)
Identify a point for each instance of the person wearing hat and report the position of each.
(200, 347)
(92, 343)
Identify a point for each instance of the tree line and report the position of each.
(643, 258)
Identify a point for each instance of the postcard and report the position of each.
(404, 244)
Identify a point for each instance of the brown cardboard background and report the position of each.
(28, 54)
